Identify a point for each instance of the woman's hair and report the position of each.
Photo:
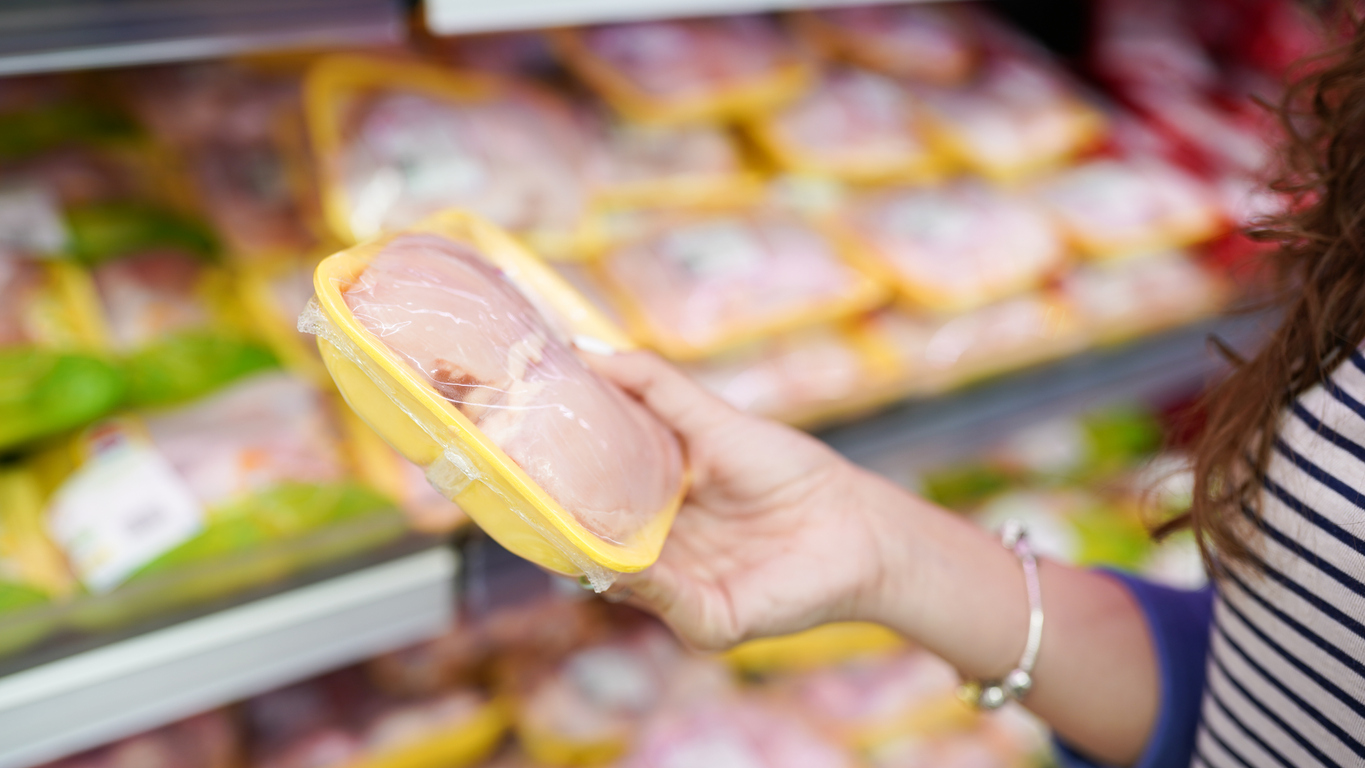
(1317, 276)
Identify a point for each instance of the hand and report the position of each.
(774, 536)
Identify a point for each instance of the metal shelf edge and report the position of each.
(86, 700)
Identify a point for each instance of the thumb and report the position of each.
(677, 400)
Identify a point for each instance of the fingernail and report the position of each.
(593, 346)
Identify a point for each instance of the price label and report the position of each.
(123, 508)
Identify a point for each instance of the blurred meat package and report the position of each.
(454, 329)
(688, 69)
(704, 283)
(798, 377)
(933, 43)
(1111, 208)
(853, 125)
(397, 141)
(956, 247)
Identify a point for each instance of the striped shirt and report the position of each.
(1285, 673)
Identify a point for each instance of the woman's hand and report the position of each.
(775, 535)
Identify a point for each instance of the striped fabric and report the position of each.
(1286, 668)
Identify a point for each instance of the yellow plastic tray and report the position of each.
(468, 745)
(762, 94)
(430, 431)
(330, 89)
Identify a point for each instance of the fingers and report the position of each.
(677, 400)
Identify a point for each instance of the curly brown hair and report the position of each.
(1317, 272)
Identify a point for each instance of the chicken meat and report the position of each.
(959, 246)
(465, 328)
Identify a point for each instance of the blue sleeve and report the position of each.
(1179, 621)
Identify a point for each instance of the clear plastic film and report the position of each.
(686, 70)
(1015, 117)
(956, 247)
(854, 125)
(454, 344)
(934, 44)
(800, 377)
(1113, 208)
(704, 283)
(398, 141)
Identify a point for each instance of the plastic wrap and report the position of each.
(930, 43)
(1015, 117)
(221, 490)
(1141, 295)
(1111, 208)
(651, 165)
(398, 141)
(709, 282)
(956, 247)
(932, 354)
(853, 125)
(799, 377)
(587, 710)
(686, 70)
(557, 465)
(171, 317)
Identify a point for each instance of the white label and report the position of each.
(30, 222)
(119, 511)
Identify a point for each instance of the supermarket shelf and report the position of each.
(912, 435)
(53, 35)
(450, 17)
(74, 703)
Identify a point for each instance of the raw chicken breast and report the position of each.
(915, 41)
(1112, 207)
(713, 278)
(150, 294)
(1014, 115)
(690, 58)
(960, 246)
(268, 429)
(516, 160)
(464, 327)
(854, 118)
(634, 154)
(788, 375)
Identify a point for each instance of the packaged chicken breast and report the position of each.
(453, 343)
(1112, 208)
(955, 247)
(684, 70)
(585, 711)
(397, 141)
(1135, 296)
(698, 164)
(923, 42)
(1013, 118)
(182, 505)
(931, 354)
(802, 377)
(703, 283)
(853, 125)
(174, 320)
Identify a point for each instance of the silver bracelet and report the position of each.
(993, 694)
